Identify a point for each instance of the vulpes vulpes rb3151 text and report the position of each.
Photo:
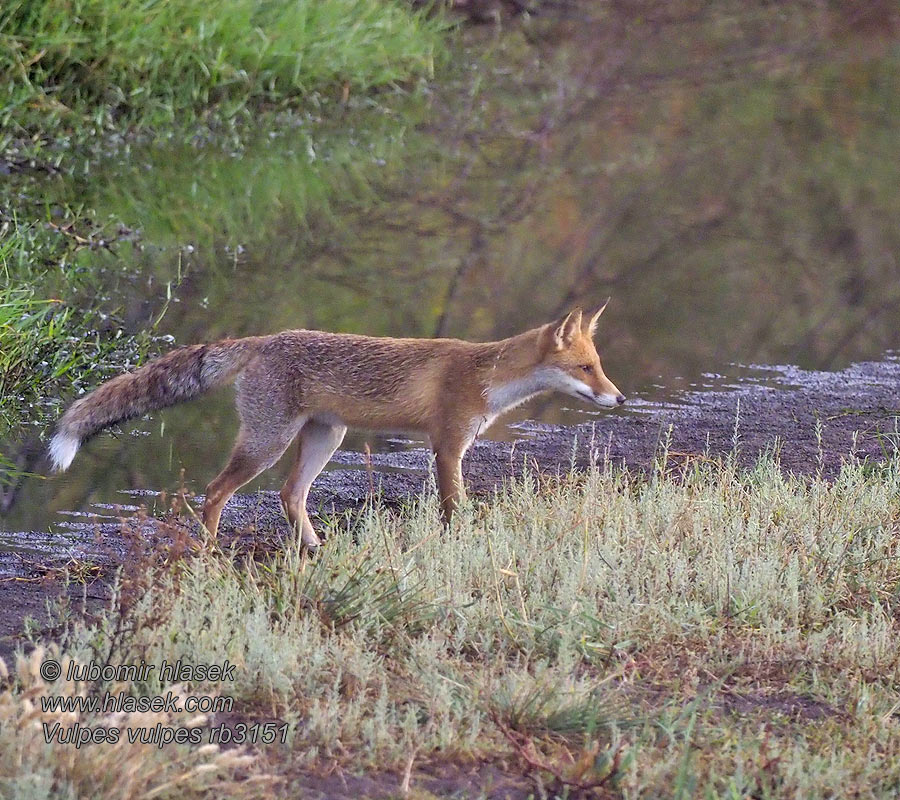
(308, 386)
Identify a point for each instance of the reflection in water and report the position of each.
(727, 172)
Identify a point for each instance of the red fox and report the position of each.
(309, 386)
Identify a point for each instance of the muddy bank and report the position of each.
(782, 405)
(816, 416)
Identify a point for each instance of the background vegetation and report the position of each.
(103, 62)
(82, 81)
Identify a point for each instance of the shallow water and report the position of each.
(728, 176)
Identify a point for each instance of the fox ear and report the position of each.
(592, 323)
(564, 331)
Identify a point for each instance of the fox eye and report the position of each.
(587, 367)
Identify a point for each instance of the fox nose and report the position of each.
(620, 398)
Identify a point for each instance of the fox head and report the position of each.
(570, 362)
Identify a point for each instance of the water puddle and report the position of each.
(736, 199)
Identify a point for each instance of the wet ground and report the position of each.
(818, 420)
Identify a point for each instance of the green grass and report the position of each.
(26, 326)
(714, 633)
(72, 70)
(107, 62)
(49, 348)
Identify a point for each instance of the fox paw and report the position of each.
(311, 543)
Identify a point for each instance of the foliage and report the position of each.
(48, 347)
(104, 61)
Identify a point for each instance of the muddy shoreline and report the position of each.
(820, 419)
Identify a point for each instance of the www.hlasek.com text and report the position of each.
(123, 702)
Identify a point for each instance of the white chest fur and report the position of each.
(502, 397)
(505, 396)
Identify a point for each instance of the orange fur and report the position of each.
(308, 386)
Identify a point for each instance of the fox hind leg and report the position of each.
(250, 456)
(316, 443)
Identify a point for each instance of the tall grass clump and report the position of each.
(47, 346)
(103, 60)
(713, 632)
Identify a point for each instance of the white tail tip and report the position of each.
(62, 450)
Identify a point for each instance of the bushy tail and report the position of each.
(177, 376)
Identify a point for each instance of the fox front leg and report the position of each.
(450, 482)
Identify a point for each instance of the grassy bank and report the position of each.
(49, 349)
(81, 80)
(712, 633)
(106, 63)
